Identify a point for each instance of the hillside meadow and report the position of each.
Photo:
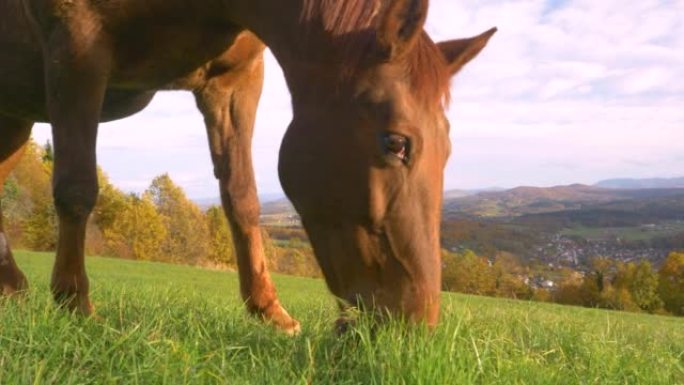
(170, 324)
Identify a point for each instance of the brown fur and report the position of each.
(358, 71)
(353, 25)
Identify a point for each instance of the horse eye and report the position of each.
(397, 145)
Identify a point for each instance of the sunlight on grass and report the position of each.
(165, 324)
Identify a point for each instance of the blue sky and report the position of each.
(567, 91)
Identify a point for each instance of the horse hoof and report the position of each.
(74, 303)
(343, 325)
(292, 329)
(279, 318)
(282, 321)
(81, 307)
(12, 291)
(14, 285)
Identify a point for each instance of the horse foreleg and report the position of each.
(229, 110)
(15, 134)
(75, 86)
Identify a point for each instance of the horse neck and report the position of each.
(301, 48)
(276, 22)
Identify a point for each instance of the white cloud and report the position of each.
(644, 80)
(570, 91)
(585, 91)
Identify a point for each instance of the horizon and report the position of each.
(566, 92)
(279, 196)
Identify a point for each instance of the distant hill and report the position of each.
(641, 183)
(452, 194)
(456, 193)
(539, 200)
(205, 203)
(281, 206)
(558, 225)
(524, 200)
(527, 200)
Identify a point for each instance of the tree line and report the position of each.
(162, 224)
(610, 284)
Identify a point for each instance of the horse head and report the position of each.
(363, 158)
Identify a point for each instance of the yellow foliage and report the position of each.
(671, 283)
(138, 231)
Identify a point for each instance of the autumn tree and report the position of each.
(616, 294)
(294, 257)
(138, 231)
(569, 293)
(632, 287)
(467, 273)
(574, 289)
(508, 275)
(615, 285)
(40, 226)
(596, 289)
(110, 202)
(27, 195)
(16, 205)
(221, 249)
(643, 286)
(601, 270)
(671, 283)
(187, 239)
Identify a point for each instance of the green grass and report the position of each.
(633, 233)
(180, 325)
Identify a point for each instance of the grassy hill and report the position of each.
(521, 201)
(181, 325)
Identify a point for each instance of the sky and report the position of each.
(566, 92)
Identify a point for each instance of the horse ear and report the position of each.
(459, 52)
(401, 25)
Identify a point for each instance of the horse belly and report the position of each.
(146, 57)
(22, 82)
(22, 92)
(21, 66)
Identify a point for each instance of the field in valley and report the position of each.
(632, 233)
(167, 324)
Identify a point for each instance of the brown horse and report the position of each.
(362, 159)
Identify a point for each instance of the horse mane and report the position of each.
(352, 26)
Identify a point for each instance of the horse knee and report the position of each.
(75, 200)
